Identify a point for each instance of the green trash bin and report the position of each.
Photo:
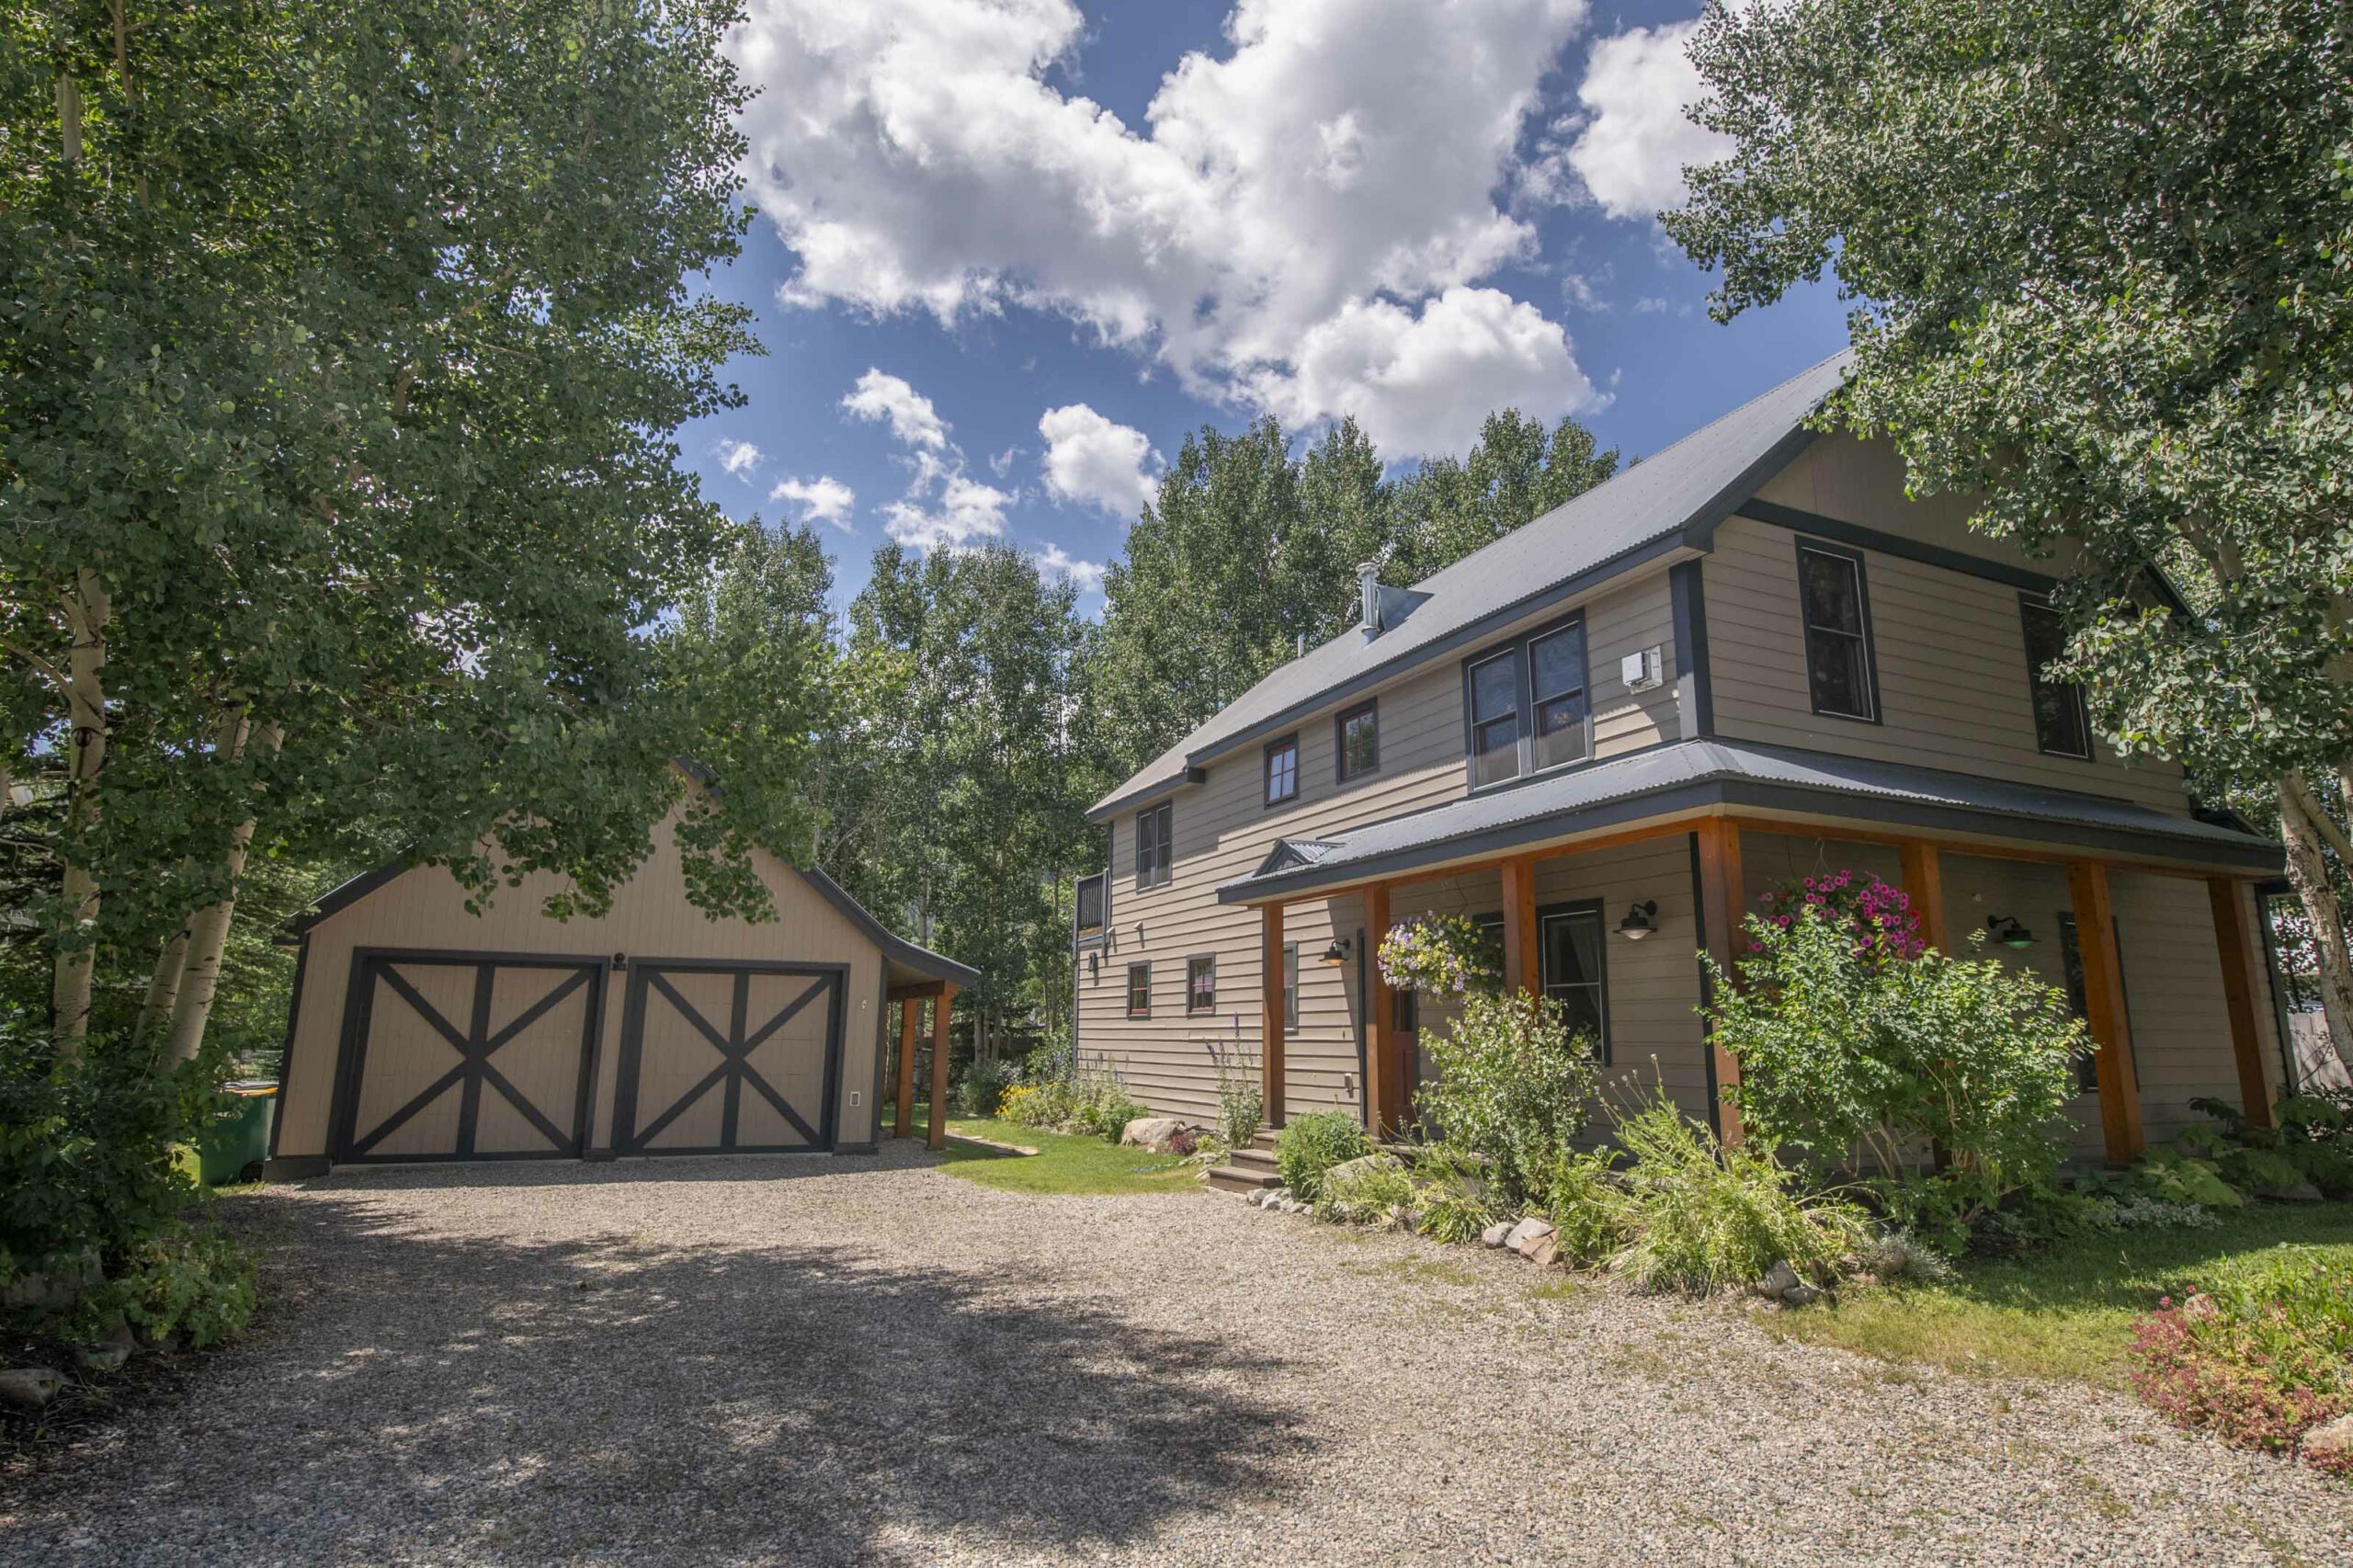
(238, 1139)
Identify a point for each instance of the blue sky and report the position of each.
(1012, 251)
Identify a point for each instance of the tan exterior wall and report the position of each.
(1222, 831)
(651, 919)
(1951, 651)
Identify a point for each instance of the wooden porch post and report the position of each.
(1724, 899)
(2233, 934)
(941, 1006)
(1924, 884)
(906, 1127)
(1380, 1086)
(1270, 1012)
(1523, 964)
(2119, 1094)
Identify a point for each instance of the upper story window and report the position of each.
(1139, 991)
(1282, 770)
(1836, 615)
(1155, 826)
(2061, 727)
(1200, 984)
(1528, 705)
(1357, 732)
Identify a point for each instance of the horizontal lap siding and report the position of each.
(1951, 651)
(651, 918)
(1223, 831)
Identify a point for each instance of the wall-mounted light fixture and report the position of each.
(1094, 966)
(1639, 920)
(620, 961)
(1338, 952)
(2004, 930)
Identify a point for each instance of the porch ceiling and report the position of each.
(1708, 777)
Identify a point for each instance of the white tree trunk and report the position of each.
(2308, 872)
(163, 989)
(86, 611)
(208, 929)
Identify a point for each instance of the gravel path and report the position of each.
(865, 1361)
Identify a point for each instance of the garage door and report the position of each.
(722, 1058)
(468, 1057)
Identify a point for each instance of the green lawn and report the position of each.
(1085, 1166)
(2068, 1311)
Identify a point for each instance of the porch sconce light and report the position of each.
(1094, 966)
(620, 961)
(2004, 930)
(1338, 952)
(1638, 923)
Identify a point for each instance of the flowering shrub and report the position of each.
(1877, 918)
(1441, 956)
(2259, 1362)
(1241, 1093)
(1511, 1084)
(1868, 1053)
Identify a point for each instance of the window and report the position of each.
(1154, 827)
(1837, 633)
(1358, 733)
(1572, 971)
(1406, 1011)
(1139, 991)
(1527, 707)
(1495, 719)
(2061, 726)
(1200, 984)
(1291, 988)
(2070, 956)
(1090, 905)
(1556, 688)
(1282, 770)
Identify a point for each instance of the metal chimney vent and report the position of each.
(1369, 597)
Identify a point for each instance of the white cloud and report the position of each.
(1055, 561)
(1338, 156)
(1422, 383)
(824, 499)
(738, 457)
(957, 513)
(1001, 463)
(1631, 152)
(1092, 461)
(913, 421)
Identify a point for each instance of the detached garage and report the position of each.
(422, 1032)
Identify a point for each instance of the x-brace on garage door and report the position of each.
(720, 1057)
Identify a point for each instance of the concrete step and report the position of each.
(1252, 1156)
(1242, 1179)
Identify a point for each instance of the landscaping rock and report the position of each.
(1528, 1232)
(101, 1358)
(1153, 1132)
(30, 1388)
(1497, 1234)
(1779, 1281)
(1348, 1171)
(2301, 1192)
(1543, 1252)
(1800, 1295)
(2331, 1439)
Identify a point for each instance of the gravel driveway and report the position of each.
(866, 1360)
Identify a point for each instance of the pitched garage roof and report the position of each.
(1686, 773)
(1639, 515)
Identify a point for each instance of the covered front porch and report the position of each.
(2148, 920)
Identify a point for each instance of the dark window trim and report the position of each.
(1094, 935)
(1133, 970)
(1265, 778)
(1864, 608)
(2027, 602)
(1291, 988)
(1165, 867)
(1598, 909)
(1340, 774)
(1190, 959)
(1520, 651)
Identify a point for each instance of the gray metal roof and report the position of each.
(1686, 773)
(1637, 518)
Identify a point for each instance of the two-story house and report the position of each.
(1745, 658)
